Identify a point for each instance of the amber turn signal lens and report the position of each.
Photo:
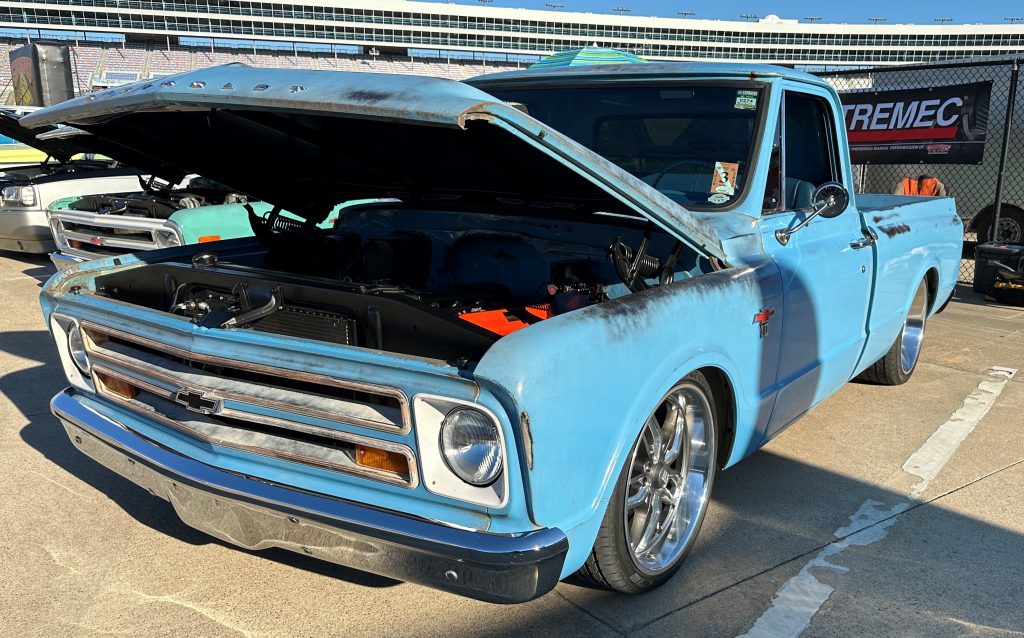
(381, 460)
(206, 238)
(121, 388)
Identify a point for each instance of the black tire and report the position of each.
(896, 368)
(611, 564)
(1011, 225)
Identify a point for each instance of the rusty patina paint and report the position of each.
(893, 230)
(524, 428)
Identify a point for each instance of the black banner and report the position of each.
(939, 125)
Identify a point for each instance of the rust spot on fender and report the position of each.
(524, 428)
(368, 95)
(882, 218)
(628, 315)
(893, 230)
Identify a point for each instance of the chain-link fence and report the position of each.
(959, 123)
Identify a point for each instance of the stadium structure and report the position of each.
(118, 41)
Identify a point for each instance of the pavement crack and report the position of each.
(1015, 379)
(168, 598)
(613, 628)
(63, 487)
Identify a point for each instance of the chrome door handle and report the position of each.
(868, 239)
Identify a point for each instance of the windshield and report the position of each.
(693, 142)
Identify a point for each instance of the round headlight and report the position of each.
(471, 446)
(76, 346)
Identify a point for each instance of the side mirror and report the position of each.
(829, 200)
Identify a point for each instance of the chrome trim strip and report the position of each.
(145, 369)
(150, 412)
(357, 386)
(255, 514)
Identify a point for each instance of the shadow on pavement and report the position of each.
(38, 267)
(768, 512)
(30, 391)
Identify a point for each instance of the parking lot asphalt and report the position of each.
(818, 533)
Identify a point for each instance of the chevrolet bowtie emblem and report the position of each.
(197, 401)
(762, 317)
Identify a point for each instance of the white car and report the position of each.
(26, 191)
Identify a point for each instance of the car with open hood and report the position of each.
(69, 169)
(582, 294)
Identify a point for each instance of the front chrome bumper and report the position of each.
(257, 515)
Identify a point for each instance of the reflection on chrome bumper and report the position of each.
(257, 515)
(62, 261)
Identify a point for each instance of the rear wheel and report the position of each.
(899, 363)
(661, 496)
(1010, 229)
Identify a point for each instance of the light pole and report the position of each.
(685, 14)
(812, 18)
(1013, 19)
(941, 20)
(554, 6)
(749, 17)
(876, 20)
(621, 10)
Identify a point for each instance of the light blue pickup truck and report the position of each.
(600, 286)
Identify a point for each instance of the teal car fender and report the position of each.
(223, 221)
(231, 221)
(581, 392)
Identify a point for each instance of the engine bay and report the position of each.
(438, 285)
(158, 200)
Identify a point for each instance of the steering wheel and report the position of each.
(686, 162)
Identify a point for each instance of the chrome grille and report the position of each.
(260, 409)
(104, 234)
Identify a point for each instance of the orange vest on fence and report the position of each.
(924, 185)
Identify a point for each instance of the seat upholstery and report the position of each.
(798, 193)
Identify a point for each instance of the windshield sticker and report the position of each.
(718, 198)
(724, 178)
(746, 100)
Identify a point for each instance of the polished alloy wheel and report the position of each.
(913, 329)
(670, 475)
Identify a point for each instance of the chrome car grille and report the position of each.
(107, 241)
(260, 409)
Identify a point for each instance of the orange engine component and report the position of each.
(503, 322)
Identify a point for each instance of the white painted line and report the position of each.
(796, 603)
(939, 448)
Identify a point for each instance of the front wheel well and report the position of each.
(725, 411)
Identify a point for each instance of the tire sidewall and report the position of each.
(614, 514)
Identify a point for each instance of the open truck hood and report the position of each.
(306, 140)
(62, 143)
(10, 125)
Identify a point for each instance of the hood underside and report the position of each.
(60, 150)
(307, 140)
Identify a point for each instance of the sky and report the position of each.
(916, 11)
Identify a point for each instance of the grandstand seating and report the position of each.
(96, 65)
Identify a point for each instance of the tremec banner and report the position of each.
(938, 125)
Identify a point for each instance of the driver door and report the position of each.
(826, 267)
